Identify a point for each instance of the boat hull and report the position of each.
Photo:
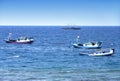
(100, 53)
(14, 41)
(10, 41)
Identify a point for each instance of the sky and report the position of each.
(60, 12)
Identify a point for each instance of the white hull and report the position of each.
(100, 53)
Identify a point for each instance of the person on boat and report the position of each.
(26, 38)
(93, 43)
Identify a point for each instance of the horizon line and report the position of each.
(62, 25)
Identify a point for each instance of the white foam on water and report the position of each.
(16, 56)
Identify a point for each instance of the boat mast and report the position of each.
(9, 36)
(78, 39)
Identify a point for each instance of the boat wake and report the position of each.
(37, 49)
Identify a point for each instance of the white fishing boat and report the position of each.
(100, 52)
(20, 40)
(103, 53)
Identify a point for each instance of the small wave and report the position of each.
(16, 56)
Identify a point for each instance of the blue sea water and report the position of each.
(52, 58)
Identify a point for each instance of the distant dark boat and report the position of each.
(71, 28)
(20, 40)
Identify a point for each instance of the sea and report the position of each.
(51, 57)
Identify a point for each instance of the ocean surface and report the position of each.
(51, 56)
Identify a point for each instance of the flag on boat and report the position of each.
(78, 36)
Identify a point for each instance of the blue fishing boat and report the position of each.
(88, 45)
